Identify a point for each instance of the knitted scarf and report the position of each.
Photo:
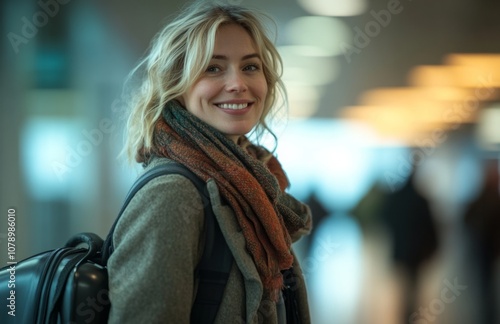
(249, 178)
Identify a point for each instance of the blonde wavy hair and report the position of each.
(180, 53)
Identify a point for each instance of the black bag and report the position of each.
(70, 284)
(57, 284)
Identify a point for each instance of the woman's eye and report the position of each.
(213, 69)
(252, 67)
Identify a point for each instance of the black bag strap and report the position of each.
(213, 269)
(212, 272)
(163, 169)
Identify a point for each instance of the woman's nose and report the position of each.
(235, 82)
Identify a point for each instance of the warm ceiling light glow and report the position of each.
(421, 114)
(424, 105)
(440, 98)
(403, 95)
(390, 126)
(321, 36)
(394, 128)
(453, 75)
(417, 123)
(487, 62)
(335, 7)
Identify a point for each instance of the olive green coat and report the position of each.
(158, 243)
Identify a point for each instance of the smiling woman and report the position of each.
(181, 56)
(211, 77)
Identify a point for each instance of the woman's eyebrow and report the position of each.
(245, 57)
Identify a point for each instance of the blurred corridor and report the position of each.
(393, 136)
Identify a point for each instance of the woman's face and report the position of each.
(231, 92)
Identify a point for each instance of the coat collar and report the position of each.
(237, 244)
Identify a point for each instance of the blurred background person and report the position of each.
(482, 219)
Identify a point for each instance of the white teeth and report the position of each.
(232, 106)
